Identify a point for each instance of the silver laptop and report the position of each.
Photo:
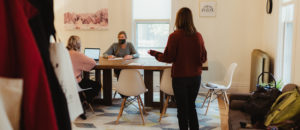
(93, 53)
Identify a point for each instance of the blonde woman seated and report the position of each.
(82, 63)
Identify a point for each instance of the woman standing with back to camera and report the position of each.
(186, 50)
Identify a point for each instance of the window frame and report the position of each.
(281, 40)
(147, 21)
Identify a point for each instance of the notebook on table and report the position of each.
(93, 53)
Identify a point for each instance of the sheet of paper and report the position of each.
(134, 63)
(117, 58)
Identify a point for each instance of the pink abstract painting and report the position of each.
(89, 16)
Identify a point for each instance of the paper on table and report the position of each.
(117, 58)
(134, 63)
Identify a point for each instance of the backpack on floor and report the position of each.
(286, 108)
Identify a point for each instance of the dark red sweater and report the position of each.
(186, 52)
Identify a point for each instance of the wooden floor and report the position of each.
(223, 114)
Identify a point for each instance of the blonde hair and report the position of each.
(74, 43)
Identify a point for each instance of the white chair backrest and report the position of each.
(130, 83)
(166, 82)
(229, 75)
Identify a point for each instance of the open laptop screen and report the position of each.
(93, 53)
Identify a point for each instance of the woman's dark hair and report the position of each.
(184, 21)
(74, 43)
(122, 32)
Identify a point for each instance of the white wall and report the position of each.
(270, 31)
(229, 37)
(119, 13)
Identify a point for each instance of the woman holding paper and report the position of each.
(186, 50)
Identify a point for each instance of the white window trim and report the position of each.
(287, 3)
(281, 40)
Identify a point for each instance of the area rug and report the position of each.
(105, 116)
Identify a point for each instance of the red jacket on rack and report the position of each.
(20, 58)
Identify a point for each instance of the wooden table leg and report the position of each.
(149, 85)
(107, 87)
(98, 80)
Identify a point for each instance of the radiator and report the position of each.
(260, 62)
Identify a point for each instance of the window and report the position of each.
(151, 9)
(151, 35)
(151, 24)
(285, 52)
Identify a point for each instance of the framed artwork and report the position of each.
(86, 14)
(208, 8)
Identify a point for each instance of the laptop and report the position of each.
(93, 53)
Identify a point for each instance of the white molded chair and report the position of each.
(131, 83)
(115, 93)
(220, 87)
(166, 87)
(80, 90)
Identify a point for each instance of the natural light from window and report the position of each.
(151, 25)
(151, 9)
(285, 1)
(287, 25)
(151, 36)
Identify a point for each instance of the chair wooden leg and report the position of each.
(164, 108)
(205, 98)
(225, 93)
(124, 105)
(224, 99)
(91, 107)
(139, 98)
(121, 110)
(166, 105)
(211, 94)
(141, 111)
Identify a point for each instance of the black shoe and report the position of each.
(83, 116)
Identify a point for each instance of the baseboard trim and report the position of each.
(236, 87)
(239, 88)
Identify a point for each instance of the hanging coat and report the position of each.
(20, 58)
(42, 26)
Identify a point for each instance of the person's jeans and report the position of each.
(92, 93)
(185, 93)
